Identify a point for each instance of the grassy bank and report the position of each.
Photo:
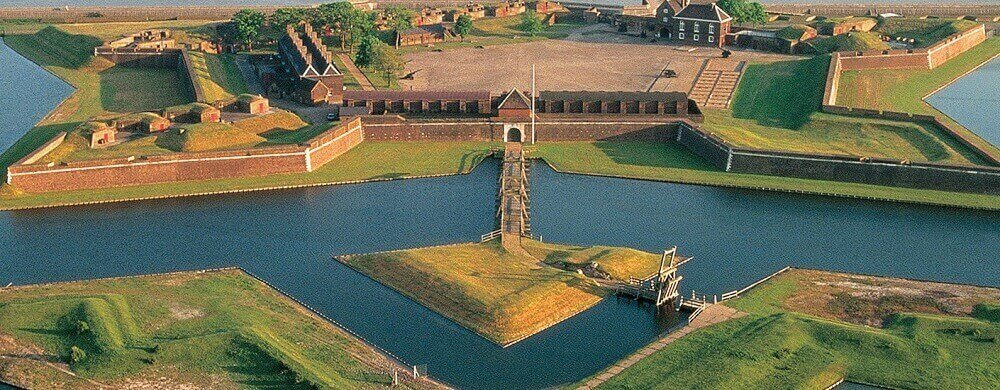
(197, 330)
(368, 161)
(673, 163)
(218, 75)
(776, 107)
(774, 347)
(498, 31)
(502, 296)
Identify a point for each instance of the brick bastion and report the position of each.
(32, 177)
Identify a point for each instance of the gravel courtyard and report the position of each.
(593, 58)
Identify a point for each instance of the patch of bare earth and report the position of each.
(28, 366)
(181, 312)
(169, 378)
(869, 300)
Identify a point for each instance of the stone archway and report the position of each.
(513, 134)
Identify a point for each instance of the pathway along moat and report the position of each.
(288, 236)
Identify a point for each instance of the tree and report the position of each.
(76, 354)
(744, 11)
(463, 25)
(367, 51)
(248, 24)
(398, 19)
(530, 23)
(82, 327)
(285, 16)
(388, 62)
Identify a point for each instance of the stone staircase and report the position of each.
(715, 84)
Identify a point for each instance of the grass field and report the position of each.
(776, 107)
(905, 91)
(497, 294)
(620, 263)
(132, 89)
(853, 41)
(673, 163)
(220, 329)
(218, 75)
(368, 161)
(774, 347)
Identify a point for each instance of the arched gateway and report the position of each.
(513, 134)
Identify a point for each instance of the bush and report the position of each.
(987, 312)
(76, 355)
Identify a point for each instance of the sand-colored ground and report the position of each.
(592, 58)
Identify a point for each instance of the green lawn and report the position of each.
(133, 89)
(503, 296)
(498, 31)
(852, 41)
(214, 329)
(773, 347)
(776, 107)
(674, 163)
(905, 91)
(369, 160)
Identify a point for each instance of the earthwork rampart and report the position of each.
(547, 128)
(138, 170)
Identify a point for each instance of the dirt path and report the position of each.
(366, 85)
(713, 314)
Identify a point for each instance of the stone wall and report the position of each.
(704, 144)
(955, 44)
(186, 166)
(561, 128)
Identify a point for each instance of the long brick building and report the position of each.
(681, 21)
(311, 78)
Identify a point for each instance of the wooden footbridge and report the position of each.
(660, 288)
(513, 211)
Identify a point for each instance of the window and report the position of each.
(680, 35)
(711, 28)
(680, 26)
(696, 37)
(666, 19)
(695, 26)
(711, 38)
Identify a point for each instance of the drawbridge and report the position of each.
(513, 211)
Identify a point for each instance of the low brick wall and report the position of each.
(186, 166)
(547, 128)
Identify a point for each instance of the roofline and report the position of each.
(705, 20)
(511, 93)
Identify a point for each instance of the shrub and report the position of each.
(76, 355)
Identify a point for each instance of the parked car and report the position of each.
(332, 116)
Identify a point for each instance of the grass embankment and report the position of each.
(852, 41)
(620, 263)
(217, 329)
(776, 107)
(218, 75)
(502, 296)
(368, 161)
(672, 162)
(904, 91)
(924, 32)
(203, 137)
(774, 347)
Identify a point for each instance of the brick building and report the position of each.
(428, 16)
(616, 103)
(474, 10)
(307, 64)
(680, 21)
(421, 102)
(142, 122)
(99, 134)
(514, 106)
(424, 35)
(509, 8)
(192, 113)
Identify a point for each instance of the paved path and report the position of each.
(713, 314)
(366, 85)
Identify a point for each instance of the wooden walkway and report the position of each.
(514, 213)
(713, 314)
(716, 83)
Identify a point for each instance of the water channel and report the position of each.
(287, 237)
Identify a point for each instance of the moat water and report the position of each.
(288, 237)
(974, 101)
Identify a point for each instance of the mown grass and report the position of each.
(277, 121)
(132, 89)
(776, 348)
(212, 329)
(202, 137)
(776, 107)
(500, 295)
(852, 41)
(674, 163)
(904, 91)
(369, 160)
